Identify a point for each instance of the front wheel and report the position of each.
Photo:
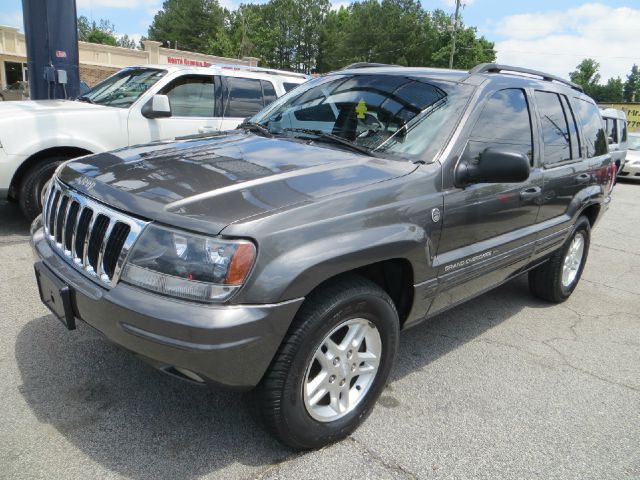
(332, 365)
(32, 184)
(556, 279)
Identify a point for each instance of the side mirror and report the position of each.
(157, 107)
(494, 165)
(611, 140)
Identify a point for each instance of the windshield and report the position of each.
(124, 87)
(633, 142)
(395, 114)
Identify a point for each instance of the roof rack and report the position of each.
(497, 68)
(272, 71)
(366, 65)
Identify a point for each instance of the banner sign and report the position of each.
(631, 109)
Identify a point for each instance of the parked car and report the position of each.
(287, 255)
(15, 91)
(616, 128)
(632, 165)
(134, 106)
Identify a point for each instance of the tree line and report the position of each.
(615, 90)
(308, 35)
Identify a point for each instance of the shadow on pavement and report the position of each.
(143, 424)
(11, 220)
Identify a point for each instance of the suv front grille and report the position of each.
(94, 238)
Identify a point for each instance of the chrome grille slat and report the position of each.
(80, 229)
(103, 247)
(85, 248)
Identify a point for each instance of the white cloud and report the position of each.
(339, 5)
(557, 41)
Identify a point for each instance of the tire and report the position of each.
(547, 282)
(32, 183)
(358, 305)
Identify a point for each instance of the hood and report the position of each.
(53, 119)
(30, 108)
(206, 184)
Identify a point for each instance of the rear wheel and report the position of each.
(555, 280)
(332, 365)
(32, 183)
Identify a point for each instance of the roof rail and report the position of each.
(366, 65)
(498, 68)
(272, 71)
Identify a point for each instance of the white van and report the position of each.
(616, 126)
(136, 105)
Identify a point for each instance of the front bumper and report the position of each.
(630, 169)
(231, 345)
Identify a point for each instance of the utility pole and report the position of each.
(455, 30)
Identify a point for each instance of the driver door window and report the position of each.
(191, 96)
(193, 109)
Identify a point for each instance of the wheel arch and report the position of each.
(71, 152)
(592, 212)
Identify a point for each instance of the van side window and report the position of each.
(288, 86)
(505, 121)
(245, 97)
(556, 133)
(623, 130)
(612, 128)
(191, 96)
(594, 137)
(268, 91)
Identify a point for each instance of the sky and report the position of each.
(549, 35)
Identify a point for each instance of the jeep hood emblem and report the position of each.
(86, 182)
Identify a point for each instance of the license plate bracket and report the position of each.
(55, 294)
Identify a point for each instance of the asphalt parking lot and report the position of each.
(505, 386)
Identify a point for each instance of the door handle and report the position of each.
(207, 129)
(583, 178)
(530, 193)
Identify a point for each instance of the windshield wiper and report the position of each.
(256, 128)
(333, 139)
(84, 98)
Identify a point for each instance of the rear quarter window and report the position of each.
(593, 133)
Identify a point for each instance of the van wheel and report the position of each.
(555, 280)
(332, 365)
(33, 182)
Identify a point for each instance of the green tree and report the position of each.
(191, 23)
(632, 85)
(96, 33)
(126, 42)
(586, 75)
(611, 92)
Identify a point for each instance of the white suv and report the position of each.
(136, 105)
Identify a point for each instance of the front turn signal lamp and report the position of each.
(187, 265)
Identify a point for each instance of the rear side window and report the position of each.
(244, 97)
(288, 86)
(557, 128)
(268, 91)
(505, 121)
(594, 137)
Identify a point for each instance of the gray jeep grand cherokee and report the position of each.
(287, 255)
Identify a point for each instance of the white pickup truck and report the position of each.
(134, 106)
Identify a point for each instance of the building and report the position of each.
(99, 61)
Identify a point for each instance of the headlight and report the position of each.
(189, 266)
